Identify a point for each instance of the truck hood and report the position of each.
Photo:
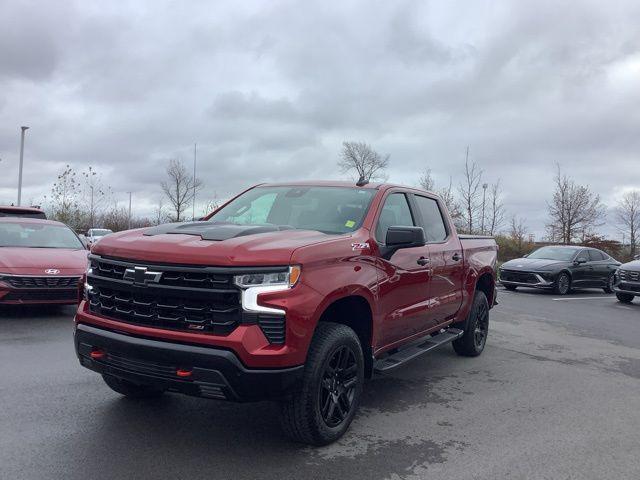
(34, 261)
(206, 243)
(533, 264)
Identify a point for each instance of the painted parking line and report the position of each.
(582, 298)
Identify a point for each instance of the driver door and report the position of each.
(405, 276)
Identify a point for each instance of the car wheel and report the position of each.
(511, 287)
(131, 390)
(624, 297)
(472, 343)
(610, 281)
(322, 410)
(563, 284)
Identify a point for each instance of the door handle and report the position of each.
(456, 257)
(423, 261)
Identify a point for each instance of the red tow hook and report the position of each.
(97, 353)
(183, 372)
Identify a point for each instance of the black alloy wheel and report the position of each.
(482, 326)
(337, 386)
(563, 284)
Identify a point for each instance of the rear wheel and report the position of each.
(563, 284)
(472, 343)
(611, 279)
(624, 297)
(131, 390)
(324, 407)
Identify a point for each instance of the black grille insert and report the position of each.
(182, 298)
(519, 277)
(42, 282)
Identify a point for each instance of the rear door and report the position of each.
(446, 259)
(403, 287)
(600, 272)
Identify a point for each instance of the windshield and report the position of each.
(554, 253)
(100, 232)
(36, 235)
(333, 210)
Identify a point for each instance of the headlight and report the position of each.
(285, 279)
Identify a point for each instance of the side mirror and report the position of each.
(405, 237)
(579, 261)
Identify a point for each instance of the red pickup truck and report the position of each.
(296, 292)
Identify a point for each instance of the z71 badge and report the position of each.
(359, 246)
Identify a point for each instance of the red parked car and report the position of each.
(41, 261)
(296, 292)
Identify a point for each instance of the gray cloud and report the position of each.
(270, 90)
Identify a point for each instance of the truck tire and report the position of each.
(322, 410)
(129, 389)
(476, 328)
(563, 284)
(624, 297)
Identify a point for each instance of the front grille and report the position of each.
(41, 282)
(629, 275)
(519, 277)
(202, 299)
(42, 296)
(139, 366)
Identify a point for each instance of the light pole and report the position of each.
(484, 196)
(23, 129)
(129, 223)
(193, 211)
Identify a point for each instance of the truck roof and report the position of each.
(337, 183)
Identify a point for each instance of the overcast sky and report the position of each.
(269, 90)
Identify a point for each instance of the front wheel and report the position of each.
(472, 343)
(610, 281)
(322, 410)
(563, 284)
(624, 297)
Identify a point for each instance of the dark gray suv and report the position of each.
(627, 281)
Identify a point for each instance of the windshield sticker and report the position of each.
(349, 224)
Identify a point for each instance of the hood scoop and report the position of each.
(213, 231)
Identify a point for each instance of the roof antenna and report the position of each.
(362, 181)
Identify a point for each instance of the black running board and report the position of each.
(407, 354)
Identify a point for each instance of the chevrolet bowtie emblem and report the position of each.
(141, 276)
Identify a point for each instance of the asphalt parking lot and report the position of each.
(554, 396)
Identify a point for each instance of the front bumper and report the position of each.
(215, 373)
(539, 283)
(22, 296)
(630, 288)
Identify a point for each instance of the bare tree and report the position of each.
(159, 213)
(364, 160)
(95, 195)
(64, 201)
(469, 193)
(574, 211)
(496, 208)
(628, 217)
(518, 232)
(427, 182)
(180, 188)
(213, 204)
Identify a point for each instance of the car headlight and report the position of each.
(286, 279)
(254, 284)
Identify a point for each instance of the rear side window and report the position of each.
(583, 255)
(432, 221)
(596, 255)
(395, 213)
